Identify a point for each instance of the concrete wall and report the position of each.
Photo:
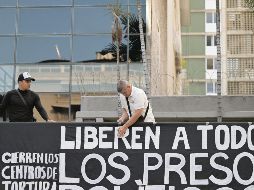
(175, 108)
(164, 30)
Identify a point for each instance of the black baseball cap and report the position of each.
(25, 76)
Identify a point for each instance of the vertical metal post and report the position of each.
(143, 49)
(128, 45)
(119, 107)
(219, 97)
(71, 48)
(15, 45)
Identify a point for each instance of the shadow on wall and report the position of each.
(61, 113)
(57, 106)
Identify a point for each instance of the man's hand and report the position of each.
(51, 121)
(122, 131)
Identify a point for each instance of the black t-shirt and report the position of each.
(18, 111)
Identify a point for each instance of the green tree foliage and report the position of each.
(135, 53)
(250, 3)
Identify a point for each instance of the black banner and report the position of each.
(165, 156)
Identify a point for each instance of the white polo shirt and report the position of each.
(138, 100)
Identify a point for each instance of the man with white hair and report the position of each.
(136, 107)
(20, 102)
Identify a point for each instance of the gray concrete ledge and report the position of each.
(173, 108)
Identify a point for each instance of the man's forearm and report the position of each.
(43, 114)
(133, 118)
(124, 116)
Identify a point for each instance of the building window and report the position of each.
(214, 41)
(211, 41)
(211, 88)
(211, 63)
(211, 17)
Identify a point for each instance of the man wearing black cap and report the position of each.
(20, 102)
